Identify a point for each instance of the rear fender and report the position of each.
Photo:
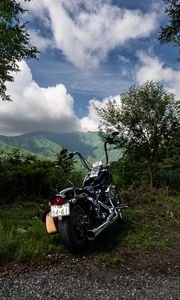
(51, 224)
(45, 214)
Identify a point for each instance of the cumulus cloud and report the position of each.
(91, 121)
(151, 68)
(36, 108)
(85, 31)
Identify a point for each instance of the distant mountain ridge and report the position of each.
(49, 144)
(31, 143)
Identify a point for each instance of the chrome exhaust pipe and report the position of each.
(96, 231)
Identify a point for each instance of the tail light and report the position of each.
(57, 201)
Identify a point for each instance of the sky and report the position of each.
(90, 51)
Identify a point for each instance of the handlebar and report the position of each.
(109, 140)
(84, 162)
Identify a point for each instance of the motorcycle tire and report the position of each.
(73, 233)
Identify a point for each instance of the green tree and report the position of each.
(168, 169)
(146, 118)
(66, 165)
(171, 33)
(14, 42)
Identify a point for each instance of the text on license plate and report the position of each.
(60, 210)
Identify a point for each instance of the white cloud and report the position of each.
(151, 68)
(36, 108)
(50, 109)
(91, 121)
(85, 36)
(38, 41)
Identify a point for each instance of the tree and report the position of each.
(146, 117)
(171, 32)
(168, 170)
(14, 42)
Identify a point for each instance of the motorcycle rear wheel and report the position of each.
(73, 230)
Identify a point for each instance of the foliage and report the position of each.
(129, 173)
(146, 117)
(24, 177)
(168, 168)
(14, 42)
(171, 32)
(66, 164)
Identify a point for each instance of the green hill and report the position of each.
(49, 144)
(87, 143)
(6, 149)
(30, 143)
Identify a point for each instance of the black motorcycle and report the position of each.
(81, 214)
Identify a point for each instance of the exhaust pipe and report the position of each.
(96, 231)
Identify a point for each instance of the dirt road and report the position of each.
(86, 281)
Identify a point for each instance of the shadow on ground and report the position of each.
(110, 238)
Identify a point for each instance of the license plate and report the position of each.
(60, 210)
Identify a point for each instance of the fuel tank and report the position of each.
(102, 180)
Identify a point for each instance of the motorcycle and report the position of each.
(79, 215)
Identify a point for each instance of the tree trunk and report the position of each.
(151, 181)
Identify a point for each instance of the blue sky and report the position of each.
(90, 51)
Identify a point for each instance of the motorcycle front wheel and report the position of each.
(73, 229)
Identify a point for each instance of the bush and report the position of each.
(24, 177)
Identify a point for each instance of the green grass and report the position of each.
(151, 224)
(23, 236)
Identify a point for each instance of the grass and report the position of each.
(23, 236)
(152, 224)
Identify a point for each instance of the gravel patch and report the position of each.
(88, 283)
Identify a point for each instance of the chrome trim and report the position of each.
(96, 231)
(104, 205)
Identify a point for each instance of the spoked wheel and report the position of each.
(73, 229)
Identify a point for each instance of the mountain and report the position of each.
(49, 144)
(30, 143)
